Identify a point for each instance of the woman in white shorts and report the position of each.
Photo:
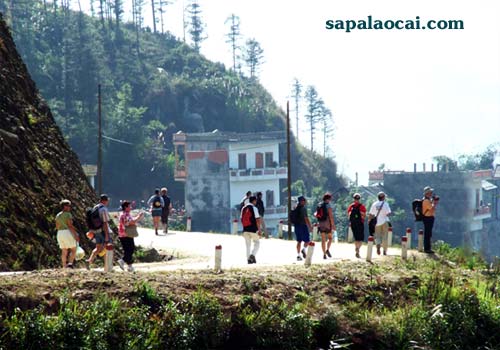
(67, 237)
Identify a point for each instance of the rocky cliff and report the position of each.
(37, 169)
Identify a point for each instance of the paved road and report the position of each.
(196, 250)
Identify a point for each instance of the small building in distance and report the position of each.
(218, 168)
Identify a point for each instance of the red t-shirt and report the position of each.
(362, 208)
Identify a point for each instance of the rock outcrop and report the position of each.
(37, 169)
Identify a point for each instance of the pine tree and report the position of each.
(314, 105)
(297, 96)
(253, 57)
(326, 120)
(196, 26)
(234, 36)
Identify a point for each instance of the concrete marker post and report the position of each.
(389, 237)
(280, 229)
(404, 250)
(420, 240)
(408, 235)
(235, 226)
(218, 258)
(108, 259)
(188, 224)
(315, 232)
(350, 235)
(369, 249)
(309, 254)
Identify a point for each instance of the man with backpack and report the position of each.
(324, 214)
(429, 204)
(380, 212)
(250, 219)
(302, 226)
(356, 212)
(98, 222)
(167, 207)
(156, 204)
(260, 207)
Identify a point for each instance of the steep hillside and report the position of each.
(37, 169)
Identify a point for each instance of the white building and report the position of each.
(219, 168)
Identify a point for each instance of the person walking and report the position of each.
(156, 204)
(245, 200)
(356, 212)
(302, 227)
(429, 204)
(250, 219)
(167, 207)
(67, 237)
(127, 231)
(326, 224)
(100, 229)
(381, 211)
(262, 209)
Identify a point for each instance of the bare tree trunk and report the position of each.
(154, 15)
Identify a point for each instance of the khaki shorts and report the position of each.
(65, 239)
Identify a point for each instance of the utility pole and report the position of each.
(99, 141)
(289, 168)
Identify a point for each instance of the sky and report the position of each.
(397, 97)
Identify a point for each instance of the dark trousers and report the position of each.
(428, 223)
(128, 249)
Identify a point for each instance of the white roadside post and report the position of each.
(315, 232)
(335, 237)
(350, 235)
(280, 229)
(369, 249)
(404, 252)
(309, 254)
(218, 258)
(188, 224)
(108, 259)
(420, 240)
(408, 235)
(389, 237)
(235, 226)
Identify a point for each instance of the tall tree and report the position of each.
(234, 36)
(162, 5)
(314, 106)
(297, 96)
(253, 56)
(196, 26)
(326, 120)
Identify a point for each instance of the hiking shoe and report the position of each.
(121, 263)
(299, 258)
(385, 252)
(324, 256)
(130, 268)
(250, 261)
(429, 251)
(69, 266)
(156, 232)
(358, 256)
(303, 251)
(378, 250)
(328, 253)
(87, 264)
(252, 258)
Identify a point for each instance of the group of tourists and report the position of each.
(378, 223)
(98, 222)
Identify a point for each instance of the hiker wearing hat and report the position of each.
(250, 220)
(380, 211)
(429, 204)
(67, 237)
(302, 227)
(101, 229)
(356, 212)
(167, 207)
(156, 203)
(326, 224)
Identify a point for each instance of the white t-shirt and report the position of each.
(382, 217)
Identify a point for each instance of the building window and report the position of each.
(269, 159)
(269, 198)
(259, 160)
(242, 161)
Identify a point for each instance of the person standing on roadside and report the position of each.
(356, 212)
(326, 225)
(261, 208)
(127, 230)
(250, 219)
(67, 237)
(302, 227)
(381, 211)
(155, 202)
(167, 207)
(429, 204)
(102, 232)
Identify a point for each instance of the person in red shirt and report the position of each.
(356, 212)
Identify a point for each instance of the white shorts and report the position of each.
(65, 239)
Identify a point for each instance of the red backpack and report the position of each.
(248, 216)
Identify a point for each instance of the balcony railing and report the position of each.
(483, 210)
(279, 172)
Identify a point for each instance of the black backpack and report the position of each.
(321, 212)
(416, 207)
(355, 216)
(157, 202)
(94, 221)
(294, 215)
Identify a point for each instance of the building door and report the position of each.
(259, 160)
(242, 161)
(269, 198)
